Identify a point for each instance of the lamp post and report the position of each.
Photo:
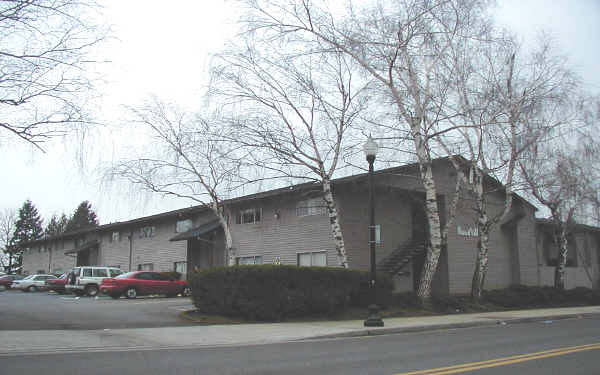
(373, 320)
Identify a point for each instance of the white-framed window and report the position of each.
(183, 225)
(146, 267)
(115, 237)
(312, 259)
(180, 267)
(309, 207)
(146, 232)
(249, 216)
(249, 260)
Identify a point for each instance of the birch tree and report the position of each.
(8, 219)
(44, 55)
(403, 46)
(557, 174)
(188, 158)
(297, 111)
(499, 92)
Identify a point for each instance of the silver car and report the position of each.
(32, 283)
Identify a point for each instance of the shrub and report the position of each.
(520, 296)
(273, 292)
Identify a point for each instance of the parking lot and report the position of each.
(46, 310)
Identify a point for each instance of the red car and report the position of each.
(6, 280)
(133, 284)
(57, 285)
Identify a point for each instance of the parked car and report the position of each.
(6, 280)
(133, 284)
(32, 283)
(86, 279)
(57, 285)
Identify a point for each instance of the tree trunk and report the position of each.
(229, 251)
(561, 241)
(481, 265)
(483, 238)
(334, 221)
(435, 237)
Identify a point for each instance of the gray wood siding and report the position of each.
(282, 237)
(157, 250)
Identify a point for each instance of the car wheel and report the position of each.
(33, 288)
(115, 295)
(2, 287)
(78, 292)
(91, 290)
(131, 293)
(186, 292)
(60, 291)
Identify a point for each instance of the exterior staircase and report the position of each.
(400, 257)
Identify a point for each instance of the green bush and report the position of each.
(521, 296)
(273, 293)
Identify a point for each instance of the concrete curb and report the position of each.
(437, 327)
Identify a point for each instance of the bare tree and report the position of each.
(188, 157)
(403, 46)
(44, 59)
(296, 110)
(556, 174)
(498, 100)
(8, 219)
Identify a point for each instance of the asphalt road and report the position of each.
(43, 310)
(389, 354)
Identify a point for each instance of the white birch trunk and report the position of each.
(334, 221)
(435, 234)
(561, 241)
(483, 229)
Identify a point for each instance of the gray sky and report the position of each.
(164, 51)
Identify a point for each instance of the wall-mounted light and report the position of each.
(276, 215)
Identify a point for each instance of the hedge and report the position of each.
(276, 292)
(536, 296)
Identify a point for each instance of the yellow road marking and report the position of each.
(503, 361)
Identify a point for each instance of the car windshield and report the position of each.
(125, 275)
(29, 277)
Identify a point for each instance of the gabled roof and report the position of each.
(403, 169)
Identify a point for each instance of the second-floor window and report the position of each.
(148, 231)
(309, 207)
(252, 215)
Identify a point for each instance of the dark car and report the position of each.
(58, 285)
(133, 284)
(6, 280)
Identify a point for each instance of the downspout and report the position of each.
(130, 248)
(50, 259)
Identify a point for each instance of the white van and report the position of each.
(86, 279)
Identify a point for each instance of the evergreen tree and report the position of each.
(56, 225)
(27, 228)
(83, 217)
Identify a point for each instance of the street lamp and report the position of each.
(373, 320)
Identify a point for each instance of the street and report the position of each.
(43, 310)
(386, 354)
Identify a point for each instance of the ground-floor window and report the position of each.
(180, 267)
(249, 260)
(313, 259)
(146, 267)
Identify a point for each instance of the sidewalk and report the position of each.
(70, 341)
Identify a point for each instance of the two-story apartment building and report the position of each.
(290, 226)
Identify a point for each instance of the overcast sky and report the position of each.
(164, 50)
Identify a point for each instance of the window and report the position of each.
(377, 234)
(114, 273)
(87, 272)
(144, 276)
(180, 267)
(146, 267)
(249, 260)
(146, 232)
(309, 207)
(115, 237)
(183, 225)
(313, 259)
(249, 216)
(100, 272)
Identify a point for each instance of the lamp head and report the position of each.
(370, 148)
